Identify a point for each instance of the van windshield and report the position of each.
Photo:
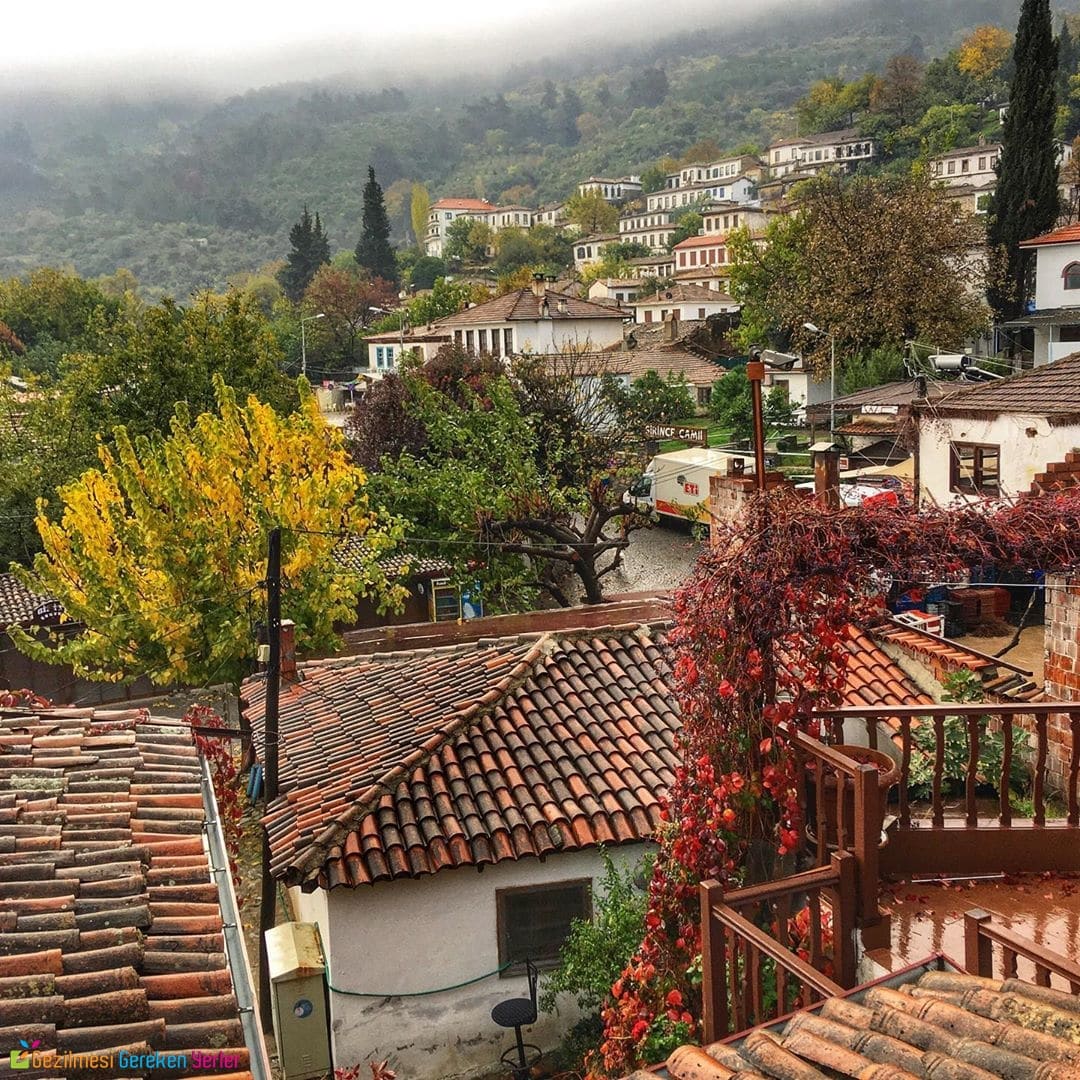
(641, 487)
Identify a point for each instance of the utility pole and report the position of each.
(755, 372)
(268, 906)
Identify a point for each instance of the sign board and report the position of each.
(880, 410)
(694, 434)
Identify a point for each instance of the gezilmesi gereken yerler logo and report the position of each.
(20, 1059)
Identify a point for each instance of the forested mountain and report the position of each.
(186, 191)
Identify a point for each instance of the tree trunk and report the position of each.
(585, 568)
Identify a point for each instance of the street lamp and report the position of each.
(303, 340)
(832, 372)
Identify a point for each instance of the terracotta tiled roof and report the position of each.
(684, 291)
(17, 603)
(937, 1023)
(655, 356)
(524, 304)
(1050, 390)
(1070, 234)
(463, 204)
(967, 151)
(404, 764)
(900, 394)
(111, 922)
(709, 240)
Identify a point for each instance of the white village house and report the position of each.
(841, 150)
(683, 301)
(1000, 438)
(1056, 317)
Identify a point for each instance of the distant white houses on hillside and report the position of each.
(614, 290)
(651, 228)
(683, 301)
(590, 249)
(839, 150)
(724, 169)
(444, 212)
(615, 191)
(740, 189)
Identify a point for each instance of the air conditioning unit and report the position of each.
(701, 232)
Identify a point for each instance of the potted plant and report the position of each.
(888, 776)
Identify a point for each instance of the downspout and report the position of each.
(233, 930)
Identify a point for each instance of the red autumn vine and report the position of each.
(761, 637)
(218, 753)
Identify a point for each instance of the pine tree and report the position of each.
(1026, 201)
(310, 250)
(373, 252)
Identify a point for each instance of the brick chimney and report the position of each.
(1061, 664)
(288, 650)
(827, 476)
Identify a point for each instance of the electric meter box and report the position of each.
(298, 991)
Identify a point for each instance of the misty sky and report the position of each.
(237, 43)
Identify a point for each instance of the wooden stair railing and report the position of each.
(738, 989)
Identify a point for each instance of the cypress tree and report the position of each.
(310, 250)
(373, 251)
(1067, 60)
(1025, 203)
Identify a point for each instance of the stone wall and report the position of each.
(729, 493)
(1061, 666)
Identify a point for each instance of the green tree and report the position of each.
(597, 949)
(419, 209)
(373, 250)
(687, 224)
(871, 367)
(874, 261)
(1025, 202)
(664, 398)
(310, 250)
(467, 239)
(648, 88)
(160, 553)
(731, 404)
(592, 213)
(426, 271)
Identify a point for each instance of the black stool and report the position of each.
(517, 1013)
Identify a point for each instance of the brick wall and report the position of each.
(728, 494)
(1061, 666)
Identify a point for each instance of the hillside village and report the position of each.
(635, 636)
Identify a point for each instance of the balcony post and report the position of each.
(714, 1002)
(867, 840)
(978, 949)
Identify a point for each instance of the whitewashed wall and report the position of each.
(1028, 444)
(410, 935)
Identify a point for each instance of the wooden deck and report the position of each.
(929, 917)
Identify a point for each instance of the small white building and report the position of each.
(612, 190)
(656, 266)
(535, 319)
(725, 169)
(614, 290)
(739, 189)
(590, 249)
(553, 214)
(512, 217)
(683, 301)
(385, 351)
(652, 228)
(440, 816)
(974, 165)
(996, 439)
(723, 217)
(700, 251)
(841, 150)
(445, 211)
(803, 387)
(1056, 317)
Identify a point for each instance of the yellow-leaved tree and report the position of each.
(161, 552)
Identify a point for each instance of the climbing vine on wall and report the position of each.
(218, 752)
(761, 638)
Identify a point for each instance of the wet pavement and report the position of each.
(929, 917)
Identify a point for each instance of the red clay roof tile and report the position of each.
(110, 926)
(478, 753)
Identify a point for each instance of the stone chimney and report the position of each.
(539, 286)
(563, 308)
(1061, 665)
(671, 327)
(288, 650)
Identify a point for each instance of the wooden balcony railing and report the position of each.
(981, 934)
(970, 841)
(856, 815)
(751, 971)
